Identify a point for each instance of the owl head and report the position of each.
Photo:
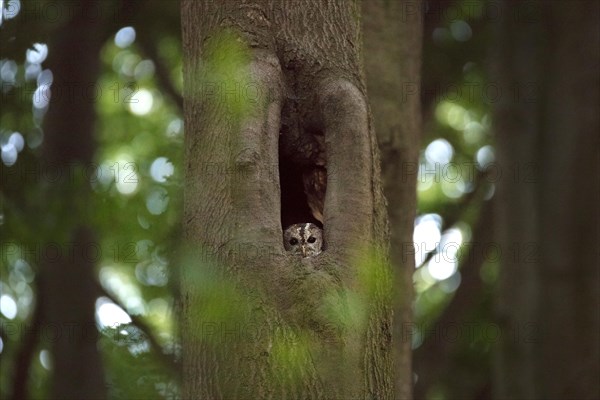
(304, 239)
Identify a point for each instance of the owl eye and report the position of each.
(312, 239)
(293, 241)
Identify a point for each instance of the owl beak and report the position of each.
(303, 250)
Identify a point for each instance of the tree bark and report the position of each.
(393, 43)
(325, 321)
(547, 201)
(67, 267)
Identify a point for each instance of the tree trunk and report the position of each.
(272, 83)
(547, 200)
(67, 289)
(393, 43)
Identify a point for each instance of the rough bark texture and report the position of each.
(392, 58)
(303, 61)
(67, 270)
(547, 201)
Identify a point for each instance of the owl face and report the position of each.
(303, 239)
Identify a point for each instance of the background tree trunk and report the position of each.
(67, 280)
(393, 43)
(547, 200)
(67, 290)
(324, 322)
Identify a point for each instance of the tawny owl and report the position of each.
(303, 239)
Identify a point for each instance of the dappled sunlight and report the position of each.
(125, 37)
(144, 70)
(423, 279)
(151, 273)
(485, 156)
(426, 236)
(439, 151)
(8, 73)
(32, 71)
(157, 200)
(490, 192)
(125, 174)
(8, 306)
(203, 284)
(451, 114)
(138, 135)
(128, 186)
(45, 78)
(143, 221)
(38, 54)
(9, 9)
(161, 169)
(110, 315)
(122, 286)
(141, 102)
(35, 137)
(20, 278)
(16, 139)
(11, 147)
(175, 128)
(103, 177)
(9, 154)
(125, 63)
(454, 189)
(159, 309)
(461, 30)
(41, 97)
(445, 262)
(474, 132)
(46, 359)
(450, 284)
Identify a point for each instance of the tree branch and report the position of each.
(430, 370)
(466, 202)
(168, 360)
(148, 46)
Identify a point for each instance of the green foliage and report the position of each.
(225, 77)
(136, 213)
(132, 203)
(133, 372)
(291, 355)
(216, 301)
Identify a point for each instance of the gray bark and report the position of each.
(393, 43)
(324, 322)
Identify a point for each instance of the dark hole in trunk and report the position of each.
(294, 202)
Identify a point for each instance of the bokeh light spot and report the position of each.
(125, 37)
(8, 306)
(426, 236)
(38, 54)
(110, 315)
(11, 9)
(141, 102)
(461, 31)
(8, 71)
(439, 151)
(46, 359)
(157, 201)
(485, 156)
(16, 139)
(9, 154)
(161, 169)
